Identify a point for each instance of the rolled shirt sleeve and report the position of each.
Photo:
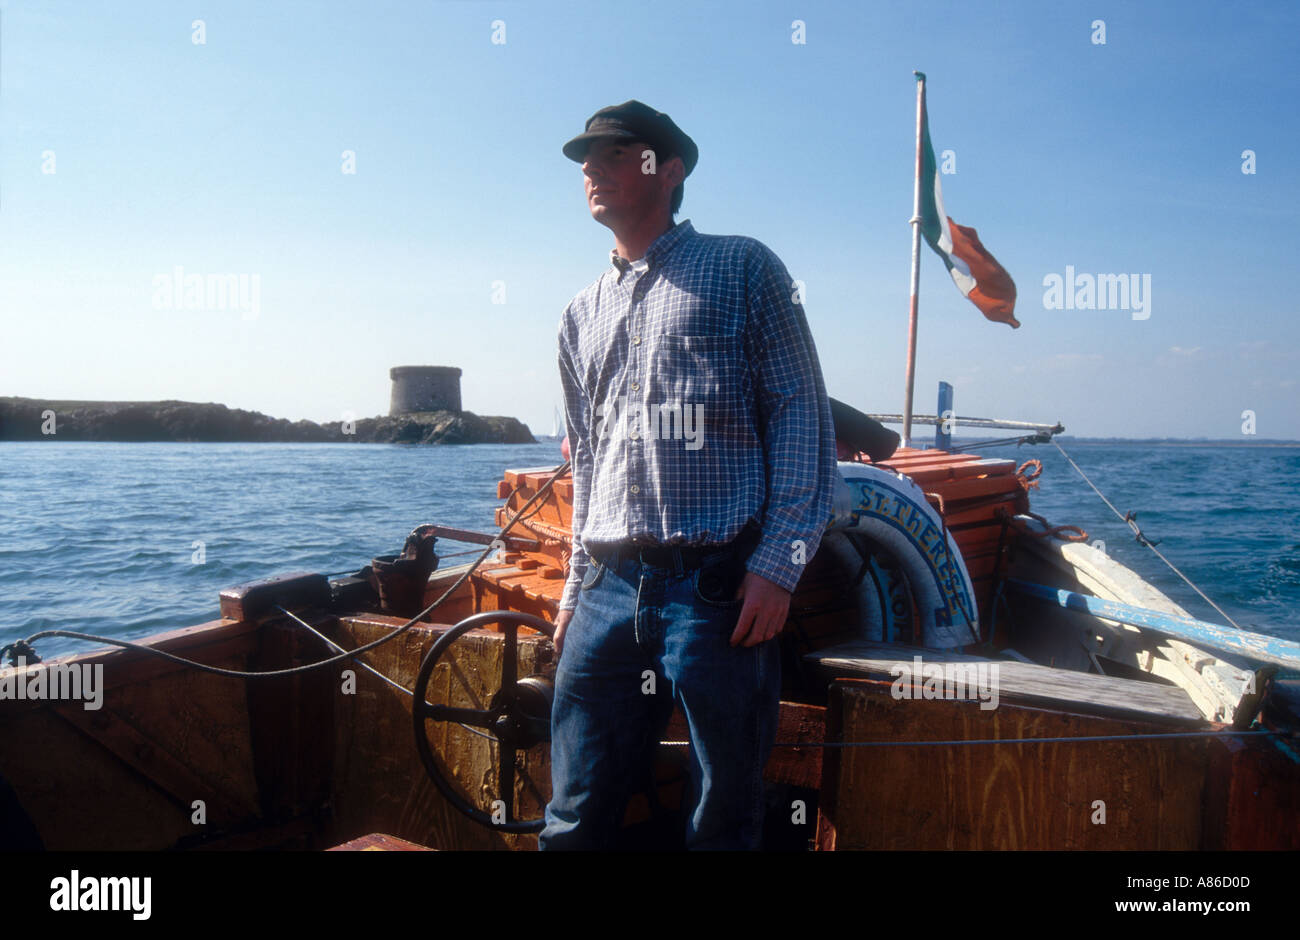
(794, 422)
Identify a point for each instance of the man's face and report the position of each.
(620, 189)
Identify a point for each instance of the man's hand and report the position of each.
(766, 607)
(561, 624)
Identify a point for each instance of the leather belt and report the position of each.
(689, 557)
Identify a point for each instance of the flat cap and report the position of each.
(633, 120)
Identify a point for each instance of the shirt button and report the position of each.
(635, 386)
(635, 488)
(635, 436)
(636, 341)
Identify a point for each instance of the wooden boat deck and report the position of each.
(321, 757)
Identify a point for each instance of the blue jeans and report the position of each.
(642, 638)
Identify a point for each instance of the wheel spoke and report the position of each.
(510, 657)
(506, 779)
(467, 716)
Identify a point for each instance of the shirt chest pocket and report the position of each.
(696, 370)
(700, 386)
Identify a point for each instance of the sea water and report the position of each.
(126, 540)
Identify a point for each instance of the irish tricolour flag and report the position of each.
(976, 273)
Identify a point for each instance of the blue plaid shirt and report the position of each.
(695, 402)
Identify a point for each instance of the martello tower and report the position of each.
(424, 388)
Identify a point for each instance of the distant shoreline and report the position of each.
(1178, 441)
(127, 422)
(171, 421)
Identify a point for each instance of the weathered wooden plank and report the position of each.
(252, 599)
(1253, 798)
(129, 772)
(291, 721)
(797, 724)
(154, 761)
(1002, 796)
(790, 763)
(1026, 683)
(106, 805)
(208, 643)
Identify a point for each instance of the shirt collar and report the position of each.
(662, 246)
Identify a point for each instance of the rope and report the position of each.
(1130, 519)
(371, 669)
(294, 670)
(551, 535)
(1052, 531)
(1030, 479)
(19, 648)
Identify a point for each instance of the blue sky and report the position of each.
(226, 157)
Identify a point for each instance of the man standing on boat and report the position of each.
(703, 470)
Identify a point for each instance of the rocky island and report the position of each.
(32, 419)
(425, 410)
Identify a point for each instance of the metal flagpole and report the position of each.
(916, 263)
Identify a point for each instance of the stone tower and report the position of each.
(424, 388)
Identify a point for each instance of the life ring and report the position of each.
(892, 513)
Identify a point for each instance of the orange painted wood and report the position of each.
(379, 842)
(968, 489)
(973, 489)
(1012, 503)
(941, 470)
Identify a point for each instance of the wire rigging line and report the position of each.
(1131, 521)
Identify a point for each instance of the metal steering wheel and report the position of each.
(518, 717)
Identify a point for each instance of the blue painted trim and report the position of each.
(1256, 646)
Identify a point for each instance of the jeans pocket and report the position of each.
(716, 582)
(595, 571)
